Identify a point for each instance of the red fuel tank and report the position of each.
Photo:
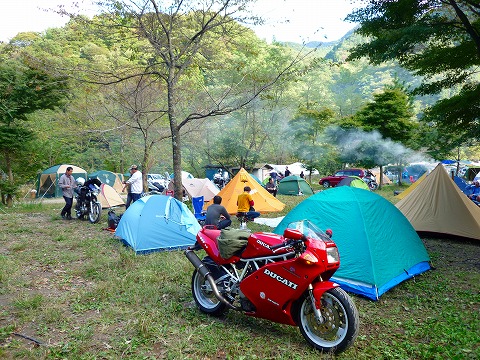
(259, 245)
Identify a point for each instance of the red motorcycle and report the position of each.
(284, 279)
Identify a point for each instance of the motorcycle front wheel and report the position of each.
(373, 185)
(204, 296)
(95, 212)
(340, 323)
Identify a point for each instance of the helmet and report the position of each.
(80, 181)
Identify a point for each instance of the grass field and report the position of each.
(70, 290)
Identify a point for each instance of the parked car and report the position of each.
(339, 175)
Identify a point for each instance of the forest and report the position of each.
(179, 87)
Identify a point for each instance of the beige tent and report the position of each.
(109, 197)
(264, 201)
(200, 187)
(385, 179)
(437, 205)
(193, 187)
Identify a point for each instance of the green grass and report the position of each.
(83, 295)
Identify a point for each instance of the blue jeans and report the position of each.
(250, 215)
(67, 209)
(222, 224)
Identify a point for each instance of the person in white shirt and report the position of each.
(135, 182)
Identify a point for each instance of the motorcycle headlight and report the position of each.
(332, 255)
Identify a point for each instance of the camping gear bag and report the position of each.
(113, 219)
(232, 241)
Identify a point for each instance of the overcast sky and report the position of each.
(287, 20)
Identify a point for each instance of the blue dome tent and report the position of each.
(156, 223)
(378, 246)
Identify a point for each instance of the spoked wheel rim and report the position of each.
(94, 214)
(333, 330)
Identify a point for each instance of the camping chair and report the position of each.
(243, 219)
(197, 203)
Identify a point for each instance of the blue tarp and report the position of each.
(464, 186)
(378, 246)
(156, 223)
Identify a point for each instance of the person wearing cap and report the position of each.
(136, 184)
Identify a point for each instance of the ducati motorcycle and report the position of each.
(86, 194)
(285, 279)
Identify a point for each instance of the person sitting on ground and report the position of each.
(475, 195)
(302, 175)
(271, 187)
(245, 205)
(217, 214)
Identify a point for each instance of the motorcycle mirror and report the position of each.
(329, 233)
(292, 234)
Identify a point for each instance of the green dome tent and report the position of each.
(47, 182)
(354, 181)
(294, 185)
(378, 246)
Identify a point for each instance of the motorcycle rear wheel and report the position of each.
(340, 328)
(372, 185)
(95, 213)
(205, 298)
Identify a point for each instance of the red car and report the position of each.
(339, 175)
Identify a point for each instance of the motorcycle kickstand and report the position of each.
(316, 312)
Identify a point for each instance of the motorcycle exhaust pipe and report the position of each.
(205, 272)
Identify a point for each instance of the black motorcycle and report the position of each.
(86, 194)
(220, 179)
(371, 180)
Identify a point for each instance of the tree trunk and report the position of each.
(177, 164)
(380, 181)
(8, 163)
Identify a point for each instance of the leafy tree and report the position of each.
(438, 40)
(188, 43)
(25, 87)
(390, 113)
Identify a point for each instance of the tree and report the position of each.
(438, 40)
(25, 87)
(308, 126)
(390, 113)
(189, 43)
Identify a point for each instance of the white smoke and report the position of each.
(359, 146)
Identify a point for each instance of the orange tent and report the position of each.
(264, 201)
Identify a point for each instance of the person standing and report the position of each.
(135, 182)
(245, 205)
(67, 183)
(287, 172)
(129, 192)
(217, 214)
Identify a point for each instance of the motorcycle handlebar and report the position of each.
(275, 247)
(289, 242)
